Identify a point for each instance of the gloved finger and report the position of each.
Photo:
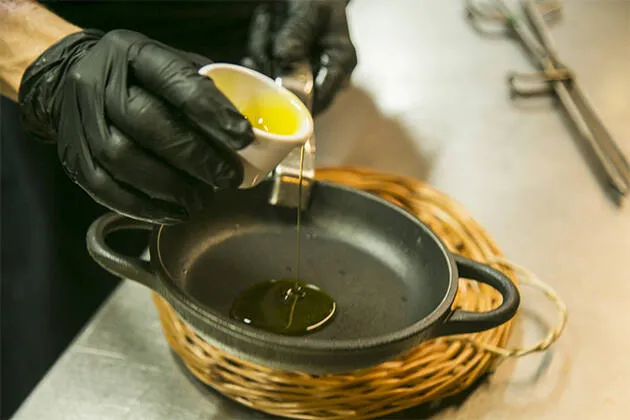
(159, 129)
(250, 63)
(337, 61)
(197, 59)
(258, 44)
(129, 164)
(175, 80)
(295, 38)
(103, 189)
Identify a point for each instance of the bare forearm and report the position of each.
(28, 29)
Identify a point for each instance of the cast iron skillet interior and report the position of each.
(384, 272)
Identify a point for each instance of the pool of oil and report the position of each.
(285, 306)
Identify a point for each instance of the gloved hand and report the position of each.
(135, 125)
(286, 32)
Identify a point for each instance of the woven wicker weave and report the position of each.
(434, 370)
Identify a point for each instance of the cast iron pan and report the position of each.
(393, 280)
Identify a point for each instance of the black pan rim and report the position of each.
(214, 320)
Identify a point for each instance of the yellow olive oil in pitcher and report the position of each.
(272, 116)
(286, 306)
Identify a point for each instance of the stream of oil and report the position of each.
(286, 306)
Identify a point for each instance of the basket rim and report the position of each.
(213, 320)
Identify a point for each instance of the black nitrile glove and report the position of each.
(135, 125)
(286, 32)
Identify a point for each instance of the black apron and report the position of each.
(50, 285)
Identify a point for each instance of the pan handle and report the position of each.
(466, 322)
(120, 265)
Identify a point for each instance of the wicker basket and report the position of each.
(434, 370)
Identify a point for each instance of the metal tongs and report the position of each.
(555, 77)
(286, 186)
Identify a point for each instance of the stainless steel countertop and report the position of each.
(430, 100)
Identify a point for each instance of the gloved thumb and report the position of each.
(258, 48)
(295, 37)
